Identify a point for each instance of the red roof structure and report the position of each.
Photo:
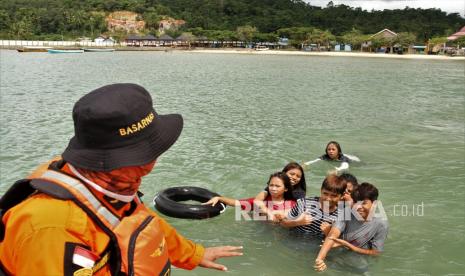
(457, 34)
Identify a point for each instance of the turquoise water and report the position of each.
(247, 116)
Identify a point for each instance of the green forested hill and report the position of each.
(52, 19)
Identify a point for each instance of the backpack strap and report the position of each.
(24, 188)
(18, 192)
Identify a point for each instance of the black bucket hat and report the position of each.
(116, 126)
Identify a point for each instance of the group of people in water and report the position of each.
(81, 213)
(284, 201)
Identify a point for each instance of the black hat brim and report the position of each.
(167, 130)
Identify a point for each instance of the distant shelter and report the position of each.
(457, 35)
(383, 34)
(141, 41)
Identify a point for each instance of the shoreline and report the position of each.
(279, 52)
(326, 54)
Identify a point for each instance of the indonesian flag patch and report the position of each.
(83, 257)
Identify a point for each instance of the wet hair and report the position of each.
(350, 178)
(287, 183)
(293, 165)
(365, 191)
(339, 150)
(334, 184)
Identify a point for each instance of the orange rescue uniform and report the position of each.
(39, 229)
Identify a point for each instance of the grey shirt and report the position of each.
(364, 234)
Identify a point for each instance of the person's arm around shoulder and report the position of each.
(377, 242)
(348, 245)
(187, 254)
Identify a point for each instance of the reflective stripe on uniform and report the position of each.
(76, 184)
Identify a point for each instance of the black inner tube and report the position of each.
(169, 202)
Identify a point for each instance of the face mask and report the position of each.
(121, 184)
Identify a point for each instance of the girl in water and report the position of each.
(334, 153)
(296, 175)
(279, 199)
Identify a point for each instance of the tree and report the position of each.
(189, 37)
(152, 19)
(320, 37)
(21, 29)
(297, 35)
(437, 40)
(354, 38)
(405, 39)
(246, 33)
(5, 21)
(459, 42)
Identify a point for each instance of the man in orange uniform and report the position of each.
(81, 214)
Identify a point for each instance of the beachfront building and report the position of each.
(201, 41)
(457, 35)
(103, 40)
(343, 48)
(417, 49)
(140, 41)
(384, 35)
(185, 40)
(166, 40)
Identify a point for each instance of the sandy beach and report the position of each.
(327, 54)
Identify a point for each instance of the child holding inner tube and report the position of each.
(296, 175)
(279, 199)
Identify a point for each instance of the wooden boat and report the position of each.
(64, 51)
(261, 48)
(33, 49)
(98, 49)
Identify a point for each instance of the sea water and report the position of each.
(246, 116)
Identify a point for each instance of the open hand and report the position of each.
(213, 253)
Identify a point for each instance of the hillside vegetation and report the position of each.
(69, 19)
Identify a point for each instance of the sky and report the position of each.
(448, 6)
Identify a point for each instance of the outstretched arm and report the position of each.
(312, 161)
(348, 245)
(213, 253)
(226, 200)
(302, 219)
